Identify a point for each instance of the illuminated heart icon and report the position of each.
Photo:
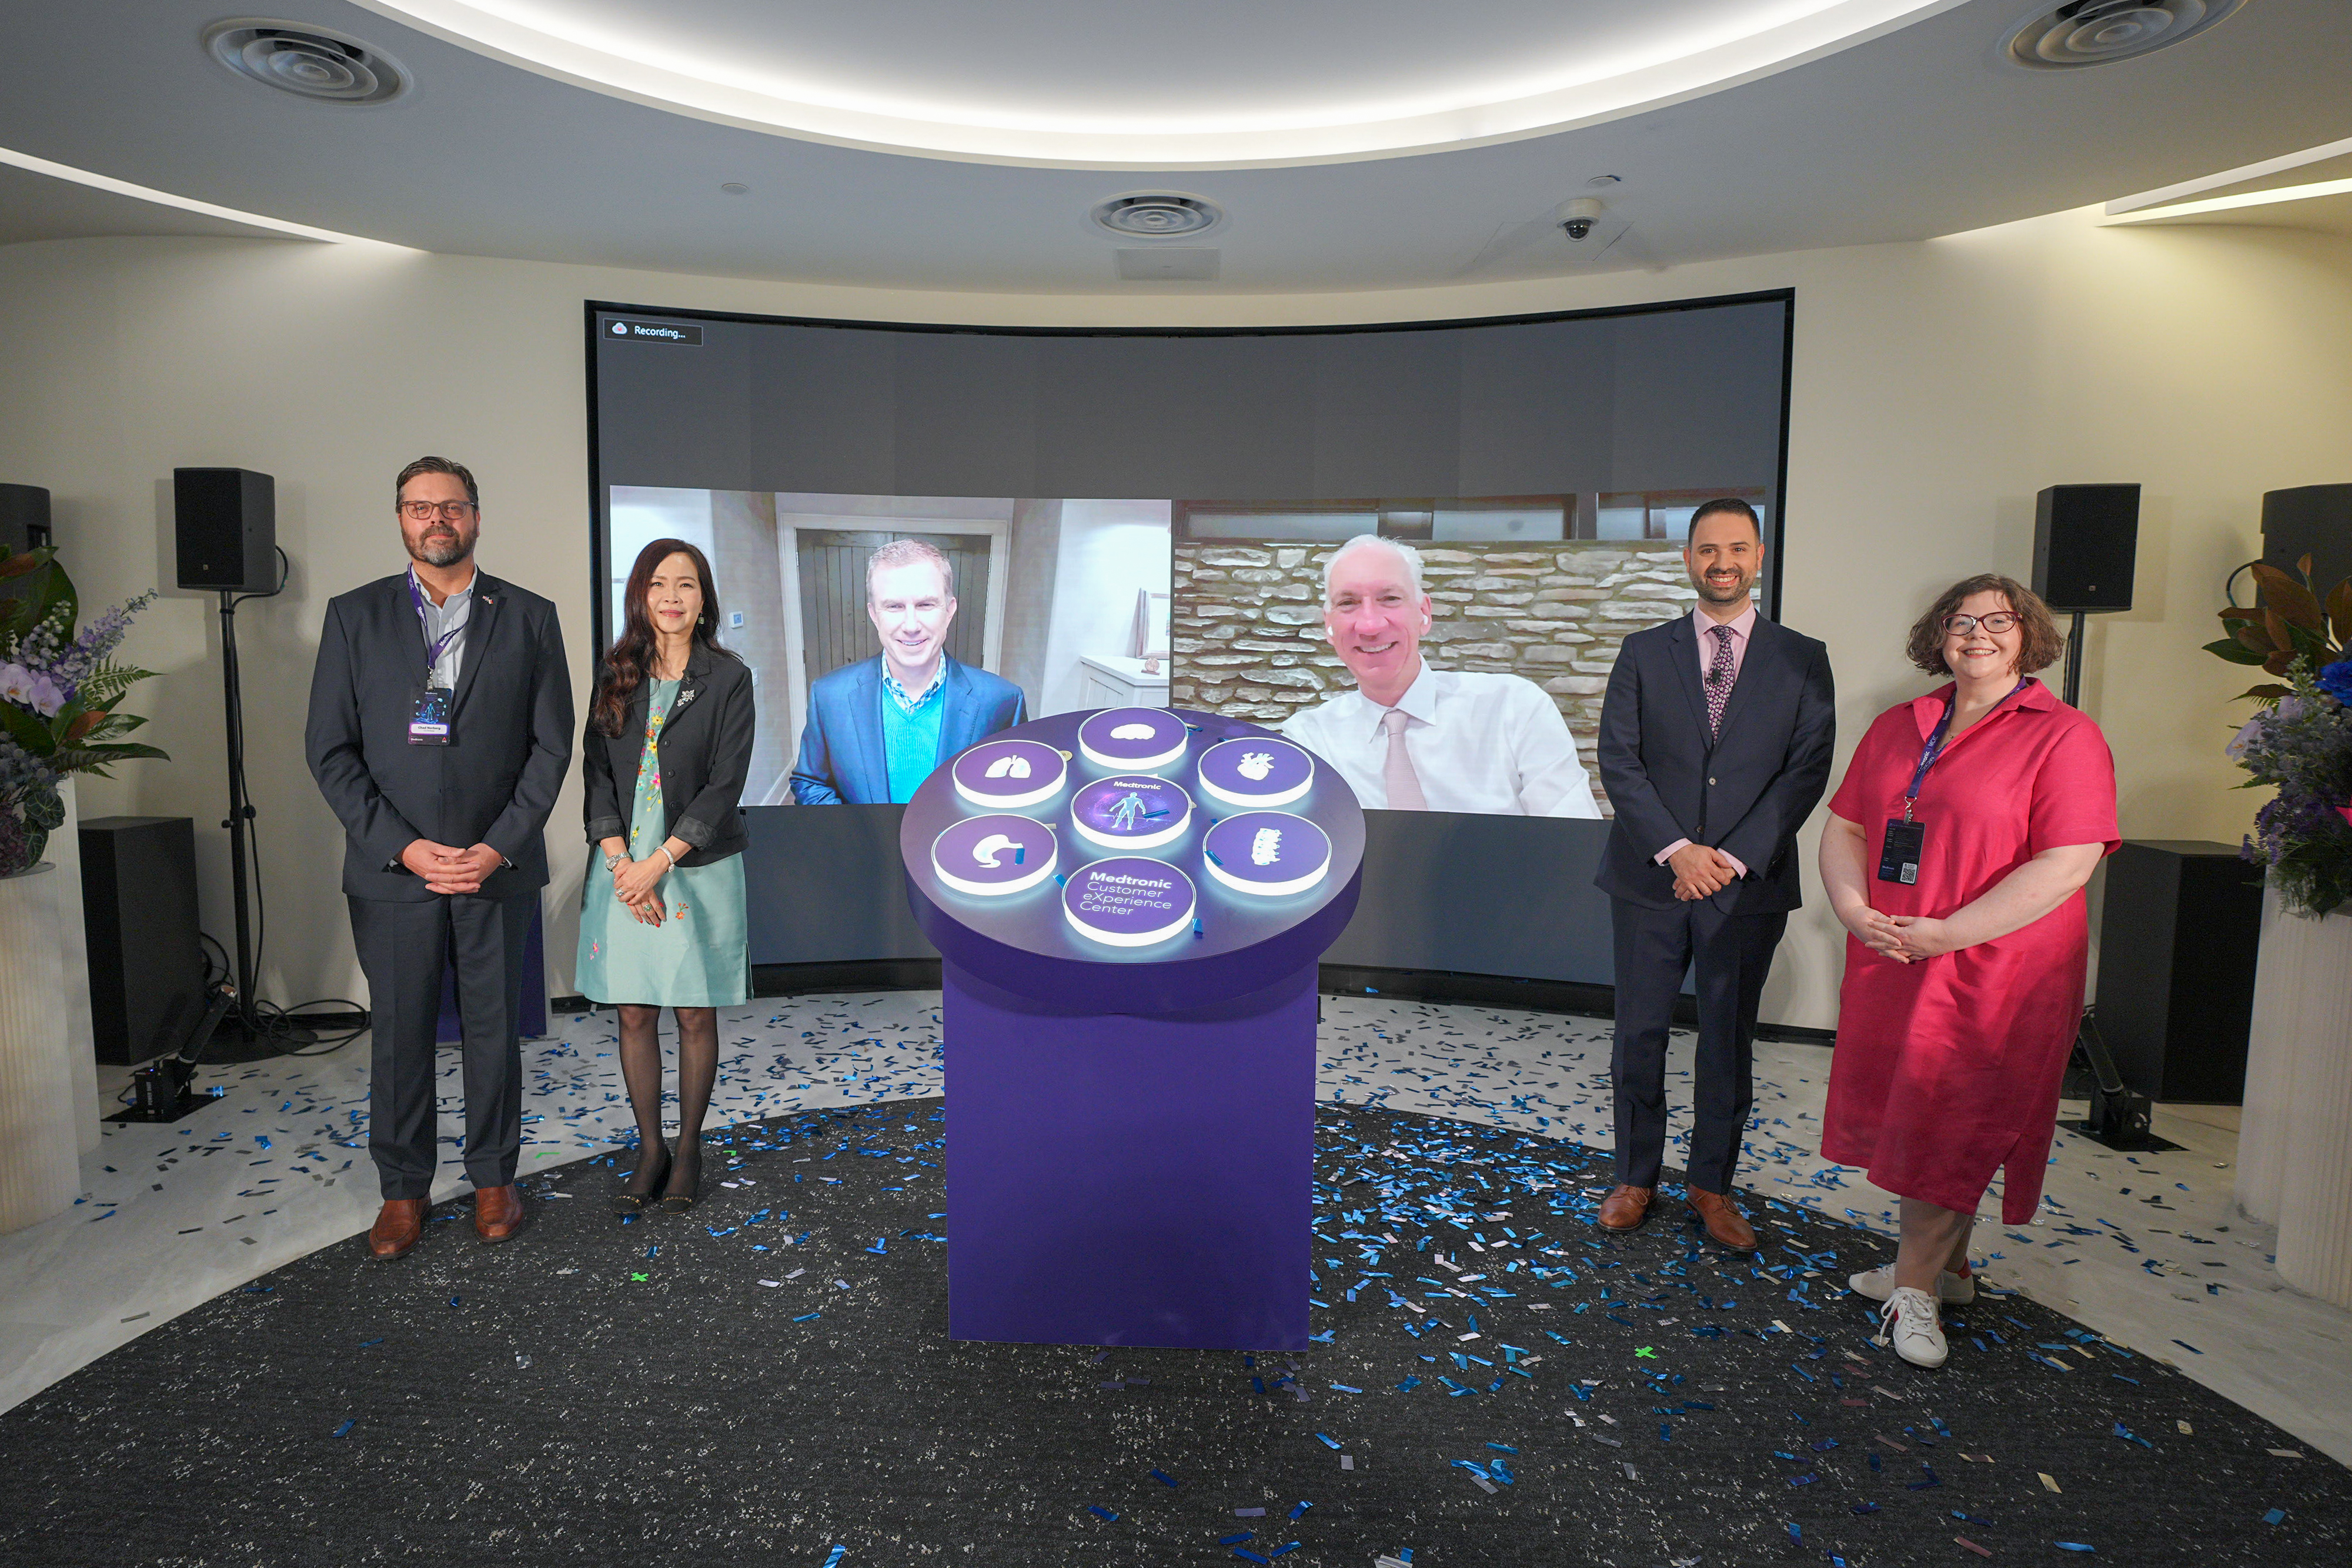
(1133, 732)
(1011, 765)
(987, 850)
(1254, 766)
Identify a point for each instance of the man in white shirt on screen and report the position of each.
(1411, 739)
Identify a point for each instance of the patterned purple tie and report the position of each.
(1718, 681)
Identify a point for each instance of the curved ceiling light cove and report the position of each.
(1223, 84)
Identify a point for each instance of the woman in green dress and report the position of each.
(662, 925)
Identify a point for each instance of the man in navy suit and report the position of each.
(878, 728)
(1714, 747)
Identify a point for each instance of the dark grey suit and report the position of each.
(494, 783)
(1745, 792)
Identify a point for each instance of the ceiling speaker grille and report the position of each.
(2099, 32)
(316, 63)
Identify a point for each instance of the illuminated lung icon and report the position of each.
(1254, 766)
(1265, 847)
(1133, 732)
(1126, 812)
(988, 850)
(1013, 764)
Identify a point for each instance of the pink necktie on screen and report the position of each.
(1404, 785)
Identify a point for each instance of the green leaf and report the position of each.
(2269, 693)
(2339, 612)
(2237, 653)
(27, 730)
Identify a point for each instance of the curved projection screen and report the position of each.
(1044, 521)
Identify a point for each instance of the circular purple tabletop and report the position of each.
(1098, 936)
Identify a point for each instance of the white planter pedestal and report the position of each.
(41, 1157)
(2294, 1140)
(73, 959)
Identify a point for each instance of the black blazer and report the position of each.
(706, 751)
(509, 741)
(1746, 794)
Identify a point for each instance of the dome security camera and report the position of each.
(1577, 216)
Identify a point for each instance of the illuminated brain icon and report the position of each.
(1133, 732)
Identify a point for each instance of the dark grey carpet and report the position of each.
(601, 1392)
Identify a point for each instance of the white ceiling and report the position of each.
(1917, 132)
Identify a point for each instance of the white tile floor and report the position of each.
(276, 1168)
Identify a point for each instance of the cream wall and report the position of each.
(1939, 385)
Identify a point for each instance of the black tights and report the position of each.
(698, 1072)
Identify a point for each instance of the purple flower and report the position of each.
(17, 684)
(2247, 733)
(46, 698)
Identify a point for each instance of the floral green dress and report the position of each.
(699, 955)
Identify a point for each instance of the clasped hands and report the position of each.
(1700, 872)
(1905, 938)
(447, 870)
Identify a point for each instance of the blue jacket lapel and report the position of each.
(1763, 651)
(868, 761)
(481, 622)
(1682, 644)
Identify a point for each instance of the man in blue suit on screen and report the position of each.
(876, 728)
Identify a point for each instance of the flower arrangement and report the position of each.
(58, 689)
(2301, 743)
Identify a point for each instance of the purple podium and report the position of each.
(1129, 905)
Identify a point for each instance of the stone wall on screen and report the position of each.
(1247, 621)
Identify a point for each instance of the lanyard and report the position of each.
(417, 597)
(1933, 748)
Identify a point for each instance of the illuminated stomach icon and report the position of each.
(991, 850)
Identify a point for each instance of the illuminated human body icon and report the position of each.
(1126, 812)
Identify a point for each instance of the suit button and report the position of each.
(1710, 783)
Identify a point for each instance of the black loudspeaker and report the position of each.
(2085, 538)
(226, 520)
(2178, 931)
(24, 518)
(138, 911)
(2313, 520)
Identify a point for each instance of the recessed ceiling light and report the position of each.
(2100, 32)
(316, 63)
(736, 188)
(1157, 214)
(1606, 180)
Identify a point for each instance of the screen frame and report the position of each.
(599, 518)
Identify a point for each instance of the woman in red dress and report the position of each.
(1955, 856)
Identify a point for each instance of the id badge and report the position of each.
(428, 718)
(1899, 859)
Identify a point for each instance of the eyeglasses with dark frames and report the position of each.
(447, 511)
(1997, 622)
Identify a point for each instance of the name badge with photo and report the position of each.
(428, 718)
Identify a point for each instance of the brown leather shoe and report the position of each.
(498, 1212)
(1724, 1226)
(1625, 1207)
(397, 1226)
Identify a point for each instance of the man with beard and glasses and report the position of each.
(1714, 747)
(440, 730)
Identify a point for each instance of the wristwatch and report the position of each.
(613, 860)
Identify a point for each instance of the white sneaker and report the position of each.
(1952, 1290)
(1911, 1321)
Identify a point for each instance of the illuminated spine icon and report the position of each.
(1254, 766)
(1127, 812)
(1265, 846)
